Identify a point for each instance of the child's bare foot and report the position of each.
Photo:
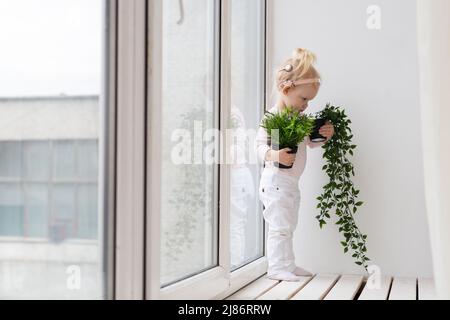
(285, 276)
(302, 272)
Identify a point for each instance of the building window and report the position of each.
(49, 189)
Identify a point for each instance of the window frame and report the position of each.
(106, 158)
(128, 145)
(225, 281)
(197, 286)
(128, 124)
(258, 267)
(108, 148)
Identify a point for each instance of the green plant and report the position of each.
(340, 192)
(288, 127)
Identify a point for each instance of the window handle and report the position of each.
(181, 7)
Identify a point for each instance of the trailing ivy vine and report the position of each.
(340, 193)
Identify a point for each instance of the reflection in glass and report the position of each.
(51, 243)
(36, 160)
(189, 212)
(37, 209)
(247, 47)
(64, 160)
(10, 159)
(11, 209)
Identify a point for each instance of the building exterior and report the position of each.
(49, 167)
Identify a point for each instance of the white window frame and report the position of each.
(137, 239)
(130, 154)
(255, 269)
(108, 147)
(198, 286)
(107, 169)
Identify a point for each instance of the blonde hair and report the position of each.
(299, 67)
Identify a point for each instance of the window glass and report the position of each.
(10, 159)
(247, 81)
(189, 241)
(36, 208)
(51, 79)
(64, 165)
(11, 209)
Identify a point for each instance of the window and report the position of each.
(11, 209)
(189, 239)
(51, 133)
(206, 78)
(247, 101)
(57, 147)
(69, 179)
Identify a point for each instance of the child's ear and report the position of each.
(285, 91)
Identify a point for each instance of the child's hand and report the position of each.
(327, 130)
(282, 156)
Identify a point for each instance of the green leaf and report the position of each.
(322, 222)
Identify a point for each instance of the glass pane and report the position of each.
(36, 208)
(63, 212)
(52, 73)
(64, 160)
(247, 47)
(11, 210)
(10, 160)
(189, 239)
(87, 206)
(36, 156)
(88, 160)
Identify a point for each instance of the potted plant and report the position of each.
(340, 192)
(286, 129)
(315, 136)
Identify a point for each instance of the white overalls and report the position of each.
(279, 192)
(280, 196)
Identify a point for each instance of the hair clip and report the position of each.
(287, 68)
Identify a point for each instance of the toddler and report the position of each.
(297, 83)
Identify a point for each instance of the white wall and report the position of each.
(39, 269)
(374, 75)
(41, 118)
